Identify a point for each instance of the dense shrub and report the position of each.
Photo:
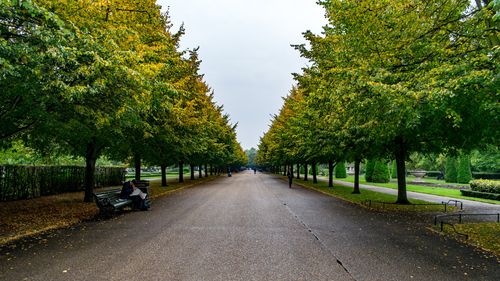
(340, 171)
(464, 174)
(485, 186)
(486, 176)
(433, 174)
(450, 174)
(394, 170)
(370, 165)
(478, 194)
(380, 172)
(24, 182)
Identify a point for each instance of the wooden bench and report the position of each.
(109, 201)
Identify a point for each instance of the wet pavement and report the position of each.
(247, 227)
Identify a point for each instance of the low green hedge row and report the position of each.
(485, 186)
(478, 194)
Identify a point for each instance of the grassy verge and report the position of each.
(441, 191)
(485, 236)
(25, 218)
(345, 193)
(170, 176)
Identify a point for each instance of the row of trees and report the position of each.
(388, 78)
(91, 78)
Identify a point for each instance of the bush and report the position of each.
(486, 176)
(340, 171)
(24, 182)
(380, 172)
(450, 174)
(394, 172)
(464, 174)
(478, 194)
(485, 186)
(370, 165)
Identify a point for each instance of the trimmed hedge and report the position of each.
(486, 176)
(477, 194)
(370, 165)
(24, 182)
(450, 174)
(394, 170)
(340, 171)
(380, 172)
(485, 186)
(464, 174)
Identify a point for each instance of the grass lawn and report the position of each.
(345, 193)
(130, 176)
(482, 235)
(448, 192)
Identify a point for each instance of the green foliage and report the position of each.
(369, 169)
(464, 174)
(340, 170)
(394, 171)
(251, 153)
(450, 174)
(480, 194)
(490, 186)
(94, 78)
(380, 172)
(487, 160)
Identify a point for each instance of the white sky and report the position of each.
(246, 53)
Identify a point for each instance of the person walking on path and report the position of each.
(290, 178)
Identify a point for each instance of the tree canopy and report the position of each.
(91, 78)
(406, 76)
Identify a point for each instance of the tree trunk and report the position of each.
(163, 175)
(206, 170)
(356, 176)
(314, 171)
(291, 170)
(192, 171)
(200, 171)
(181, 172)
(330, 173)
(401, 170)
(285, 170)
(90, 159)
(211, 169)
(298, 171)
(305, 172)
(137, 165)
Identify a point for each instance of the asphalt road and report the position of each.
(247, 227)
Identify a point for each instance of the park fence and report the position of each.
(24, 182)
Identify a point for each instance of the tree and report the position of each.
(340, 170)
(464, 174)
(251, 153)
(369, 169)
(450, 174)
(35, 49)
(404, 97)
(380, 172)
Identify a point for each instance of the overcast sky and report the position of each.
(246, 53)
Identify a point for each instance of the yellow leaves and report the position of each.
(30, 217)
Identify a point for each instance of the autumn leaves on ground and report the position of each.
(25, 218)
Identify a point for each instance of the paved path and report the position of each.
(247, 227)
(469, 205)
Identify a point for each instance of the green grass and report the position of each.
(156, 175)
(345, 193)
(441, 191)
(482, 235)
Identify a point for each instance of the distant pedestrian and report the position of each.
(290, 178)
(254, 171)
